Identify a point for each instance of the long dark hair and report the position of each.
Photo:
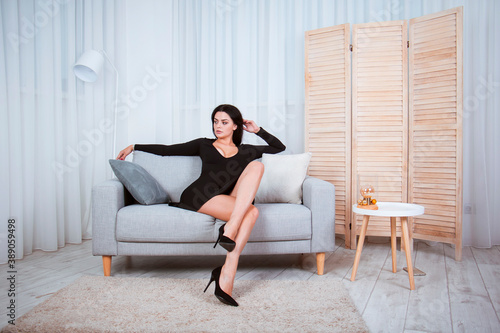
(236, 117)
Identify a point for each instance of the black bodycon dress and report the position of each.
(219, 174)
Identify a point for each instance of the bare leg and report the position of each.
(244, 191)
(240, 214)
(232, 258)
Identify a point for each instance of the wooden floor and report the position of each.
(452, 297)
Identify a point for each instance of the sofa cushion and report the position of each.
(143, 187)
(281, 222)
(174, 173)
(163, 223)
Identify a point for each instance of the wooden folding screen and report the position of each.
(406, 131)
(436, 126)
(379, 115)
(328, 116)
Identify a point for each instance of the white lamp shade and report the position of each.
(88, 67)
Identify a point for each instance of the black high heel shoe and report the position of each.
(224, 241)
(219, 293)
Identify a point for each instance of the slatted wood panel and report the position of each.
(379, 115)
(328, 114)
(435, 155)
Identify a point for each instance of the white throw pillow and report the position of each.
(283, 178)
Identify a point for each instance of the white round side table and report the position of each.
(392, 210)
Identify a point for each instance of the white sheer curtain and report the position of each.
(481, 226)
(53, 147)
(178, 59)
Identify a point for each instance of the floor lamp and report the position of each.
(88, 68)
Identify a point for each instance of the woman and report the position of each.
(226, 187)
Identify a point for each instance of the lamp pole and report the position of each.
(115, 103)
(87, 69)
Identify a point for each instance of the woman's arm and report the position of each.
(191, 148)
(125, 152)
(274, 144)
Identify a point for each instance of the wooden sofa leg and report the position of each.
(106, 264)
(320, 262)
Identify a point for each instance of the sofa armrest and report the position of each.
(108, 198)
(319, 197)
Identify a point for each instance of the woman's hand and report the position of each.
(250, 126)
(125, 152)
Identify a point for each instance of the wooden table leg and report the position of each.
(404, 231)
(366, 218)
(393, 244)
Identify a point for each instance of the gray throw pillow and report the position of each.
(143, 187)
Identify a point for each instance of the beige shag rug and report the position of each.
(112, 304)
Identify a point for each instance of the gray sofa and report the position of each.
(120, 226)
